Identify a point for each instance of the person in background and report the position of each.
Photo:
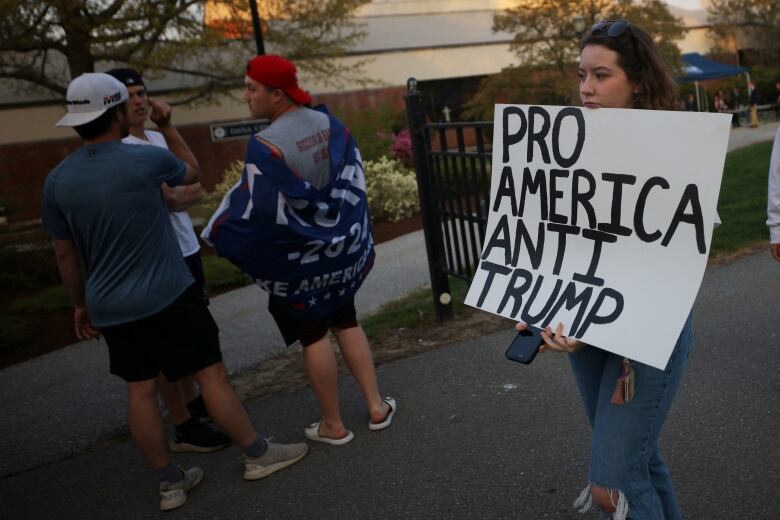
(777, 101)
(719, 103)
(690, 103)
(753, 97)
(735, 104)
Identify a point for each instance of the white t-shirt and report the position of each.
(182, 224)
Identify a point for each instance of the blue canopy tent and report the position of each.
(698, 68)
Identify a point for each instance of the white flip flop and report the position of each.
(313, 433)
(388, 419)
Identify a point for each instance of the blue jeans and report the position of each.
(625, 451)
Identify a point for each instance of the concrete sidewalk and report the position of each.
(475, 437)
(744, 136)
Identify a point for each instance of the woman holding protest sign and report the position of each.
(626, 402)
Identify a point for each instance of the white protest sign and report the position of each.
(601, 220)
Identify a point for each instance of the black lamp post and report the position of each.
(256, 28)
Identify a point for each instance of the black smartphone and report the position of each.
(525, 346)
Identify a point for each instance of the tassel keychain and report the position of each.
(624, 390)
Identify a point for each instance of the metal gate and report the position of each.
(452, 162)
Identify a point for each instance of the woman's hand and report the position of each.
(555, 340)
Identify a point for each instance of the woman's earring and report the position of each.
(636, 99)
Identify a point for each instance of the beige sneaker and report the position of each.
(174, 494)
(276, 457)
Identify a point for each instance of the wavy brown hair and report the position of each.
(640, 59)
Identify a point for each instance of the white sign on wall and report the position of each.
(601, 220)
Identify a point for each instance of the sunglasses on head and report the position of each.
(612, 28)
(615, 28)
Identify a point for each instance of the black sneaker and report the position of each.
(197, 437)
(197, 409)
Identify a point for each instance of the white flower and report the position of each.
(392, 189)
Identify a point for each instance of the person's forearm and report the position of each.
(180, 198)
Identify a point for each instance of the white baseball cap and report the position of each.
(89, 96)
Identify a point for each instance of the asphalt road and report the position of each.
(477, 436)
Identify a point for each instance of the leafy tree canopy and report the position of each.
(546, 43)
(45, 43)
(754, 22)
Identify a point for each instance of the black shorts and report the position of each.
(310, 331)
(195, 265)
(177, 341)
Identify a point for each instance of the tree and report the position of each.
(546, 43)
(45, 43)
(745, 23)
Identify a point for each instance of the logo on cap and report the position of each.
(112, 98)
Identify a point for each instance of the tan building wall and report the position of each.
(696, 39)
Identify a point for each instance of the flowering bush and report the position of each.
(392, 189)
(209, 205)
(402, 148)
(230, 177)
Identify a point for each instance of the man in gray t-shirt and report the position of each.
(299, 136)
(124, 273)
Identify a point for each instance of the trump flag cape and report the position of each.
(311, 248)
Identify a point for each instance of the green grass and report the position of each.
(410, 311)
(221, 275)
(48, 300)
(13, 331)
(742, 209)
(11, 281)
(742, 203)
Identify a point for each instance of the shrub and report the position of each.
(402, 148)
(374, 128)
(221, 275)
(230, 177)
(51, 299)
(13, 331)
(392, 189)
(208, 206)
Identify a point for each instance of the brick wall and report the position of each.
(24, 167)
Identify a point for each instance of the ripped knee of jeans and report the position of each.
(608, 500)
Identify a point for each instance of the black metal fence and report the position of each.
(453, 162)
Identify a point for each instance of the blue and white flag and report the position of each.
(311, 248)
